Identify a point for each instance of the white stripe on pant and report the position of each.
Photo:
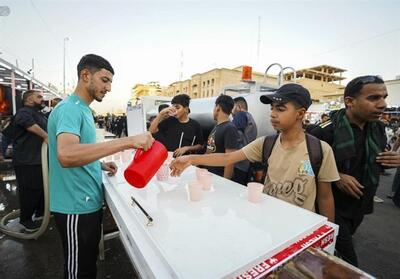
(80, 235)
(72, 239)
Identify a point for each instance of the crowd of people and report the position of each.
(331, 168)
(115, 124)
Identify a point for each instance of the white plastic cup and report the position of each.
(206, 180)
(254, 191)
(108, 158)
(127, 156)
(195, 190)
(199, 172)
(163, 173)
(117, 156)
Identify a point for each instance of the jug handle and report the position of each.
(137, 154)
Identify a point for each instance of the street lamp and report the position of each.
(66, 39)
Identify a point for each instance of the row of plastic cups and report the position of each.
(202, 183)
(123, 157)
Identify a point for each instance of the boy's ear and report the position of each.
(302, 113)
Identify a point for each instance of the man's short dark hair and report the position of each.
(354, 87)
(242, 102)
(226, 103)
(324, 115)
(162, 106)
(181, 99)
(27, 94)
(94, 63)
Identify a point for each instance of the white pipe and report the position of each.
(289, 68)
(46, 216)
(279, 76)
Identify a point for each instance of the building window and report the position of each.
(212, 92)
(212, 82)
(204, 83)
(208, 82)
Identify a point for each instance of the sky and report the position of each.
(157, 40)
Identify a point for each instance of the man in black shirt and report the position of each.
(358, 141)
(30, 132)
(247, 130)
(173, 128)
(224, 138)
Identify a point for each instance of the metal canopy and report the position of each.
(22, 80)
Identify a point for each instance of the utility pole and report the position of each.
(258, 41)
(66, 39)
(181, 69)
(33, 67)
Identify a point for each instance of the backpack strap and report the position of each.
(268, 145)
(315, 154)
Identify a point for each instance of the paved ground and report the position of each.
(42, 258)
(378, 238)
(376, 242)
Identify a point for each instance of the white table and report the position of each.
(223, 235)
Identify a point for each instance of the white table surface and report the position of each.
(219, 236)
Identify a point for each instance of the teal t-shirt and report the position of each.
(77, 190)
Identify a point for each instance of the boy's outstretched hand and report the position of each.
(178, 165)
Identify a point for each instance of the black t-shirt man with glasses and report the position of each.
(30, 132)
(173, 128)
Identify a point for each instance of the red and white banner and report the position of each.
(320, 238)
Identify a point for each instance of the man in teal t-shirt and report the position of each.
(76, 190)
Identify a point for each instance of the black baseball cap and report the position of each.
(291, 92)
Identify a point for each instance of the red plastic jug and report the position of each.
(145, 164)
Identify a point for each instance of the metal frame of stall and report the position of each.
(17, 79)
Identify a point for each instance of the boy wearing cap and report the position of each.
(290, 176)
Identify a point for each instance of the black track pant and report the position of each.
(80, 235)
(344, 241)
(30, 190)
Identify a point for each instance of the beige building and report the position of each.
(211, 82)
(149, 89)
(324, 82)
(393, 88)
